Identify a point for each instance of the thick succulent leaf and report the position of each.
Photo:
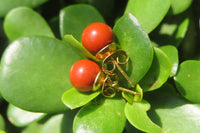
(178, 6)
(173, 113)
(7, 5)
(105, 7)
(1, 131)
(133, 98)
(0, 84)
(34, 127)
(132, 39)
(137, 116)
(23, 21)
(69, 39)
(172, 31)
(104, 117)
(180, 32)
(158, 73)
(20, 117)
(73, 98)
(131, 129)
(67, 121)
(74, 19)
(35, 73)
(149, 12)
(53, 125)
(60, 123)
(2, 123)
(172, 53)
(187, 80)
(189, 46)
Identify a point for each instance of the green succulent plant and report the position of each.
(160, 38)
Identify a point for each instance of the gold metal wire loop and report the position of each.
(111, 62)
(122, 54)
(107, 79)
(107, 89)
(106, 51)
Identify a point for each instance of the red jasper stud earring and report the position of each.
(83, 74)
(98, 39)
(96, 36)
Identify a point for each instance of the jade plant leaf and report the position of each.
(60, 123)
(101, 117)
(7, 5)
(172, 112)
(172, 31)
(148, 12)
(74, 19)
(34, 127)
(2, 123)
(53, 124)
(131, 129)
(136, 113)
(180, 32)
(67, 121)
(73, 98)
(172, 53)
(158, 73)
(20, 117)
(69, 39)
(1, 131)
(105, 7)
(178, 6)
(133, 98)
(35, 73)
(187, 80)
(132, 39)
(0, 84)
(23, 21)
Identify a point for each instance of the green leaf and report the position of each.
(74, 19)
(105, 117)
(172, 30)
(158, 73)
(23, 21)
(53, 125)
(180, 32)
(137, 116)
(187, 80)
(172, 53)
(74, 99)
(131, 98)
(7, 5)
(20, 118)
(67, 121)
(1, 131)
(0, 84)
(132, 39)
(34, 127)
(105, 7)
(189, 45)
(149, 12)
(132, 129)
(173, 113)
(35, 73)
(2, 123)
(59, 123)
(69, 39)
(178, 6)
